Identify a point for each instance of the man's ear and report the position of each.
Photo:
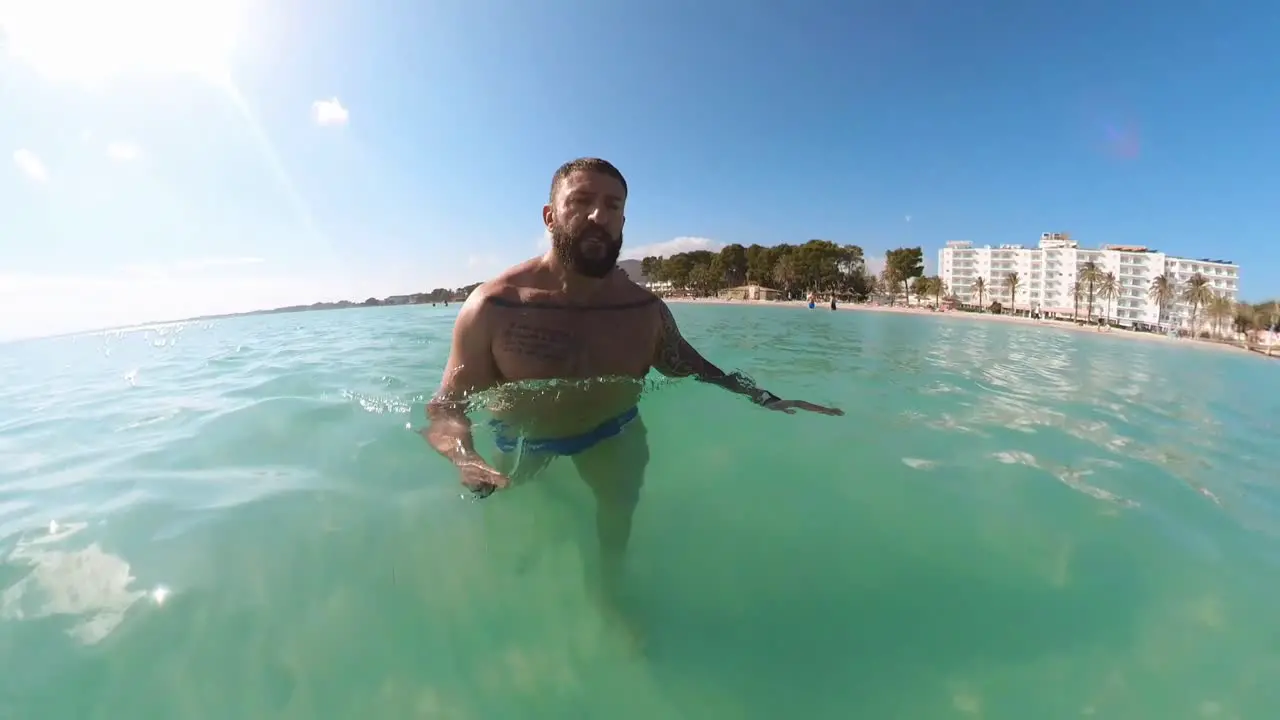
(548, 215)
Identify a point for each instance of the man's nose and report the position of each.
(600, 215)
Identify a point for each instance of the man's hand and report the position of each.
(470, 369)
(481, 479)
(790, 406)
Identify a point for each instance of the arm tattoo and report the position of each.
(677, 358)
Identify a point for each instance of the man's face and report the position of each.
(586, 222)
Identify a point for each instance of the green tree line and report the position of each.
(818, 266)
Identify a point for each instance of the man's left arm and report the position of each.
(675, 357)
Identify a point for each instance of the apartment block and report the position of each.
(1047, 272)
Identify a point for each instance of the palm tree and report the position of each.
(1162, 291)
(1199, 294)
(1244, 320)
(1011, 283)
(785, 274)
(1108, 290)
(1077, 291)
(939, 288)
(1090, 275)
(922, 287)
(979, 286)
(1221, 310)
(1272, 321)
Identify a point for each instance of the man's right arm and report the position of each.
(470, 369)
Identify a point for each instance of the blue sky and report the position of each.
(180, 158)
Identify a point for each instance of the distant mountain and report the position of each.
(633, 270)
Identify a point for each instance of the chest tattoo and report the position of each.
(538, 342)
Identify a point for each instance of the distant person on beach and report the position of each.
(571, 314)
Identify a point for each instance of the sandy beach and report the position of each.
(979, 317)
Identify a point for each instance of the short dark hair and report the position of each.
(589, 164)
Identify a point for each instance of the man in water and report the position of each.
(571, 314)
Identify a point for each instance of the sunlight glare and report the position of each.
(91, 41)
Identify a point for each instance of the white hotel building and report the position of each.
(1046, 274)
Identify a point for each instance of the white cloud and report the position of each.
(122, 151)
(670, 247)
(31, 165)
(329, 112)
(673, 246)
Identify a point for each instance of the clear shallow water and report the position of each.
(234, 519)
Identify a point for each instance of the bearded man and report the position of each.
(572, 315)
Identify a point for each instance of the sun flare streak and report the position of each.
(95, 42)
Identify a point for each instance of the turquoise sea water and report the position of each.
(233, 519)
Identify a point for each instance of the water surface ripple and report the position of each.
(235, 518)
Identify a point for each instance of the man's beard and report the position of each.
(569, 249)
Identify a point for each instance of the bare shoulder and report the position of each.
(476, 313)
(666, 321)
(625, 290)
(508, 284)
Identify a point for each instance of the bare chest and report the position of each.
(558, 343)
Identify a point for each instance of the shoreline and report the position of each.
(1067, 325)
